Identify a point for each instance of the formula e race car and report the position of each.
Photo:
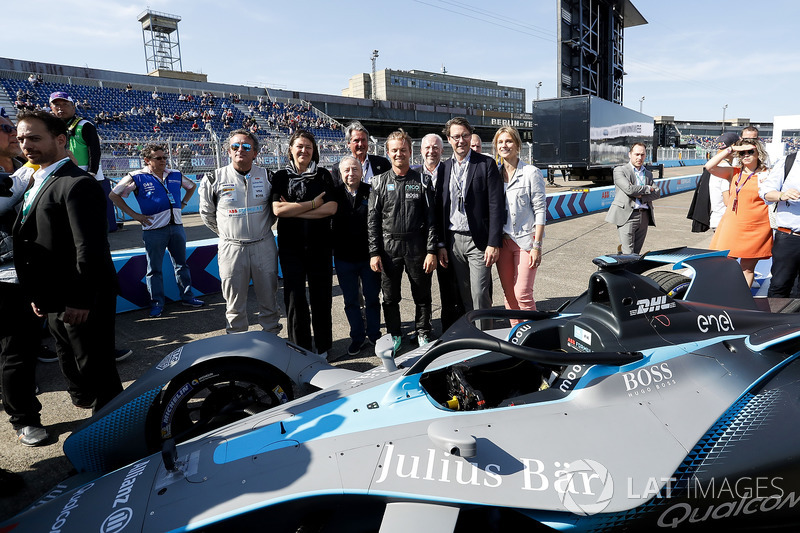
(635, 406)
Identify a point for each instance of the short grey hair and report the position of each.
(350, 159)
(242, 131)
(354, 126)
(436, 137)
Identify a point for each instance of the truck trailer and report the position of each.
(585, 137)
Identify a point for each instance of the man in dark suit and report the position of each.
(357, 138)
(63, 261)
(632, 208)
(470, 208)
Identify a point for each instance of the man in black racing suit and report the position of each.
(402, 233)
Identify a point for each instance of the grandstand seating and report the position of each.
(119, 101)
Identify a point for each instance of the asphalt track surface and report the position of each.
(569, 247)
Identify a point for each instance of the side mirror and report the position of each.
(448, 438)
(384, 349)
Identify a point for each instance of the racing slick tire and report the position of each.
(212, 395)
(674, 284)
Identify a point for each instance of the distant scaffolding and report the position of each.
(161, 52)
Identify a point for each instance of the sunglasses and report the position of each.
(244, 146)
(8, 129)
(159, 158)
(747, 152)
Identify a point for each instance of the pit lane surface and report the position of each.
(569, 247)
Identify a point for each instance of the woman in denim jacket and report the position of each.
(526, 213)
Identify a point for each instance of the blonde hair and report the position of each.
(514, 135)
(400, 135)
(761, 151)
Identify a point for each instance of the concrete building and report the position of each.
(419, 86)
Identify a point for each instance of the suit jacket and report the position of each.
(484, 201)
(61, 250)
(378, 163)
(626, 193)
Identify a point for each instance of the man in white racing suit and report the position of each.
(235, 204)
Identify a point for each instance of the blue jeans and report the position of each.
(156, 241)
(349, 275)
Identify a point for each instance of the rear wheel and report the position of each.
(674, 284)
(213, 395)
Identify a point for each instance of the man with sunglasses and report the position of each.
(158, 191)
(235, 204)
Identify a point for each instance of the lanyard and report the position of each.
(739, 188)
(30, 194)
(460, 170)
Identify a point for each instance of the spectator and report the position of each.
(475, 143)
(158, 192)
(351, 252)
(452, 307)
(402, 236)
(303, 201)
(64, 263)
(357, 138)
(744, 228)
(19, 327)
(521, 253)
(84, 145)
(632, 207)
(782, 187)
(235, 204)
(469, 209)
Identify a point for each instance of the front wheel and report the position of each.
(213, 395)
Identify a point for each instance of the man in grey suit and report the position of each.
(632, 208)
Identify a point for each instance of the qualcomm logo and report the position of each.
(586, 503)
(117, 520)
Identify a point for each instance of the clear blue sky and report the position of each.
(688, 61)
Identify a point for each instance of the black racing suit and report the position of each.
(402, 230)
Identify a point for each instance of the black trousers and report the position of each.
(420, 291)
(316, 268)
(785, 265)
(86, 353)
(20, 336)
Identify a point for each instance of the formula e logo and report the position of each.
(658, 303)
(648, 379)
(117, 520)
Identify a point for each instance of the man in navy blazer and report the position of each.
(357, 138)
(470, 208)
(63, 261)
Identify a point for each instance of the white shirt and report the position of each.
(788, 212)
(458, 182)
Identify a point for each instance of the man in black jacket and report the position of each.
(63, 261)
(357, 138)
(351, 254)
(402, 234)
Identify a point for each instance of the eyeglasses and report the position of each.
(8, 129)
(747, 152)
(159, 158)
(244, 146)
(464, 137)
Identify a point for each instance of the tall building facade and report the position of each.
(419, 86)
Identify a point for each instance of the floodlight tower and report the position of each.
(374, 90)
(161, 52)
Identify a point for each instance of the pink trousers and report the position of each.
(516, 278)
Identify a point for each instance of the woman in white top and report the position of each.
(526, 213)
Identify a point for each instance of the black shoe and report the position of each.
(32, 436)
(120, 354)
(83, 404)
(355, 347)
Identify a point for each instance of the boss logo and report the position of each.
(644, 379)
